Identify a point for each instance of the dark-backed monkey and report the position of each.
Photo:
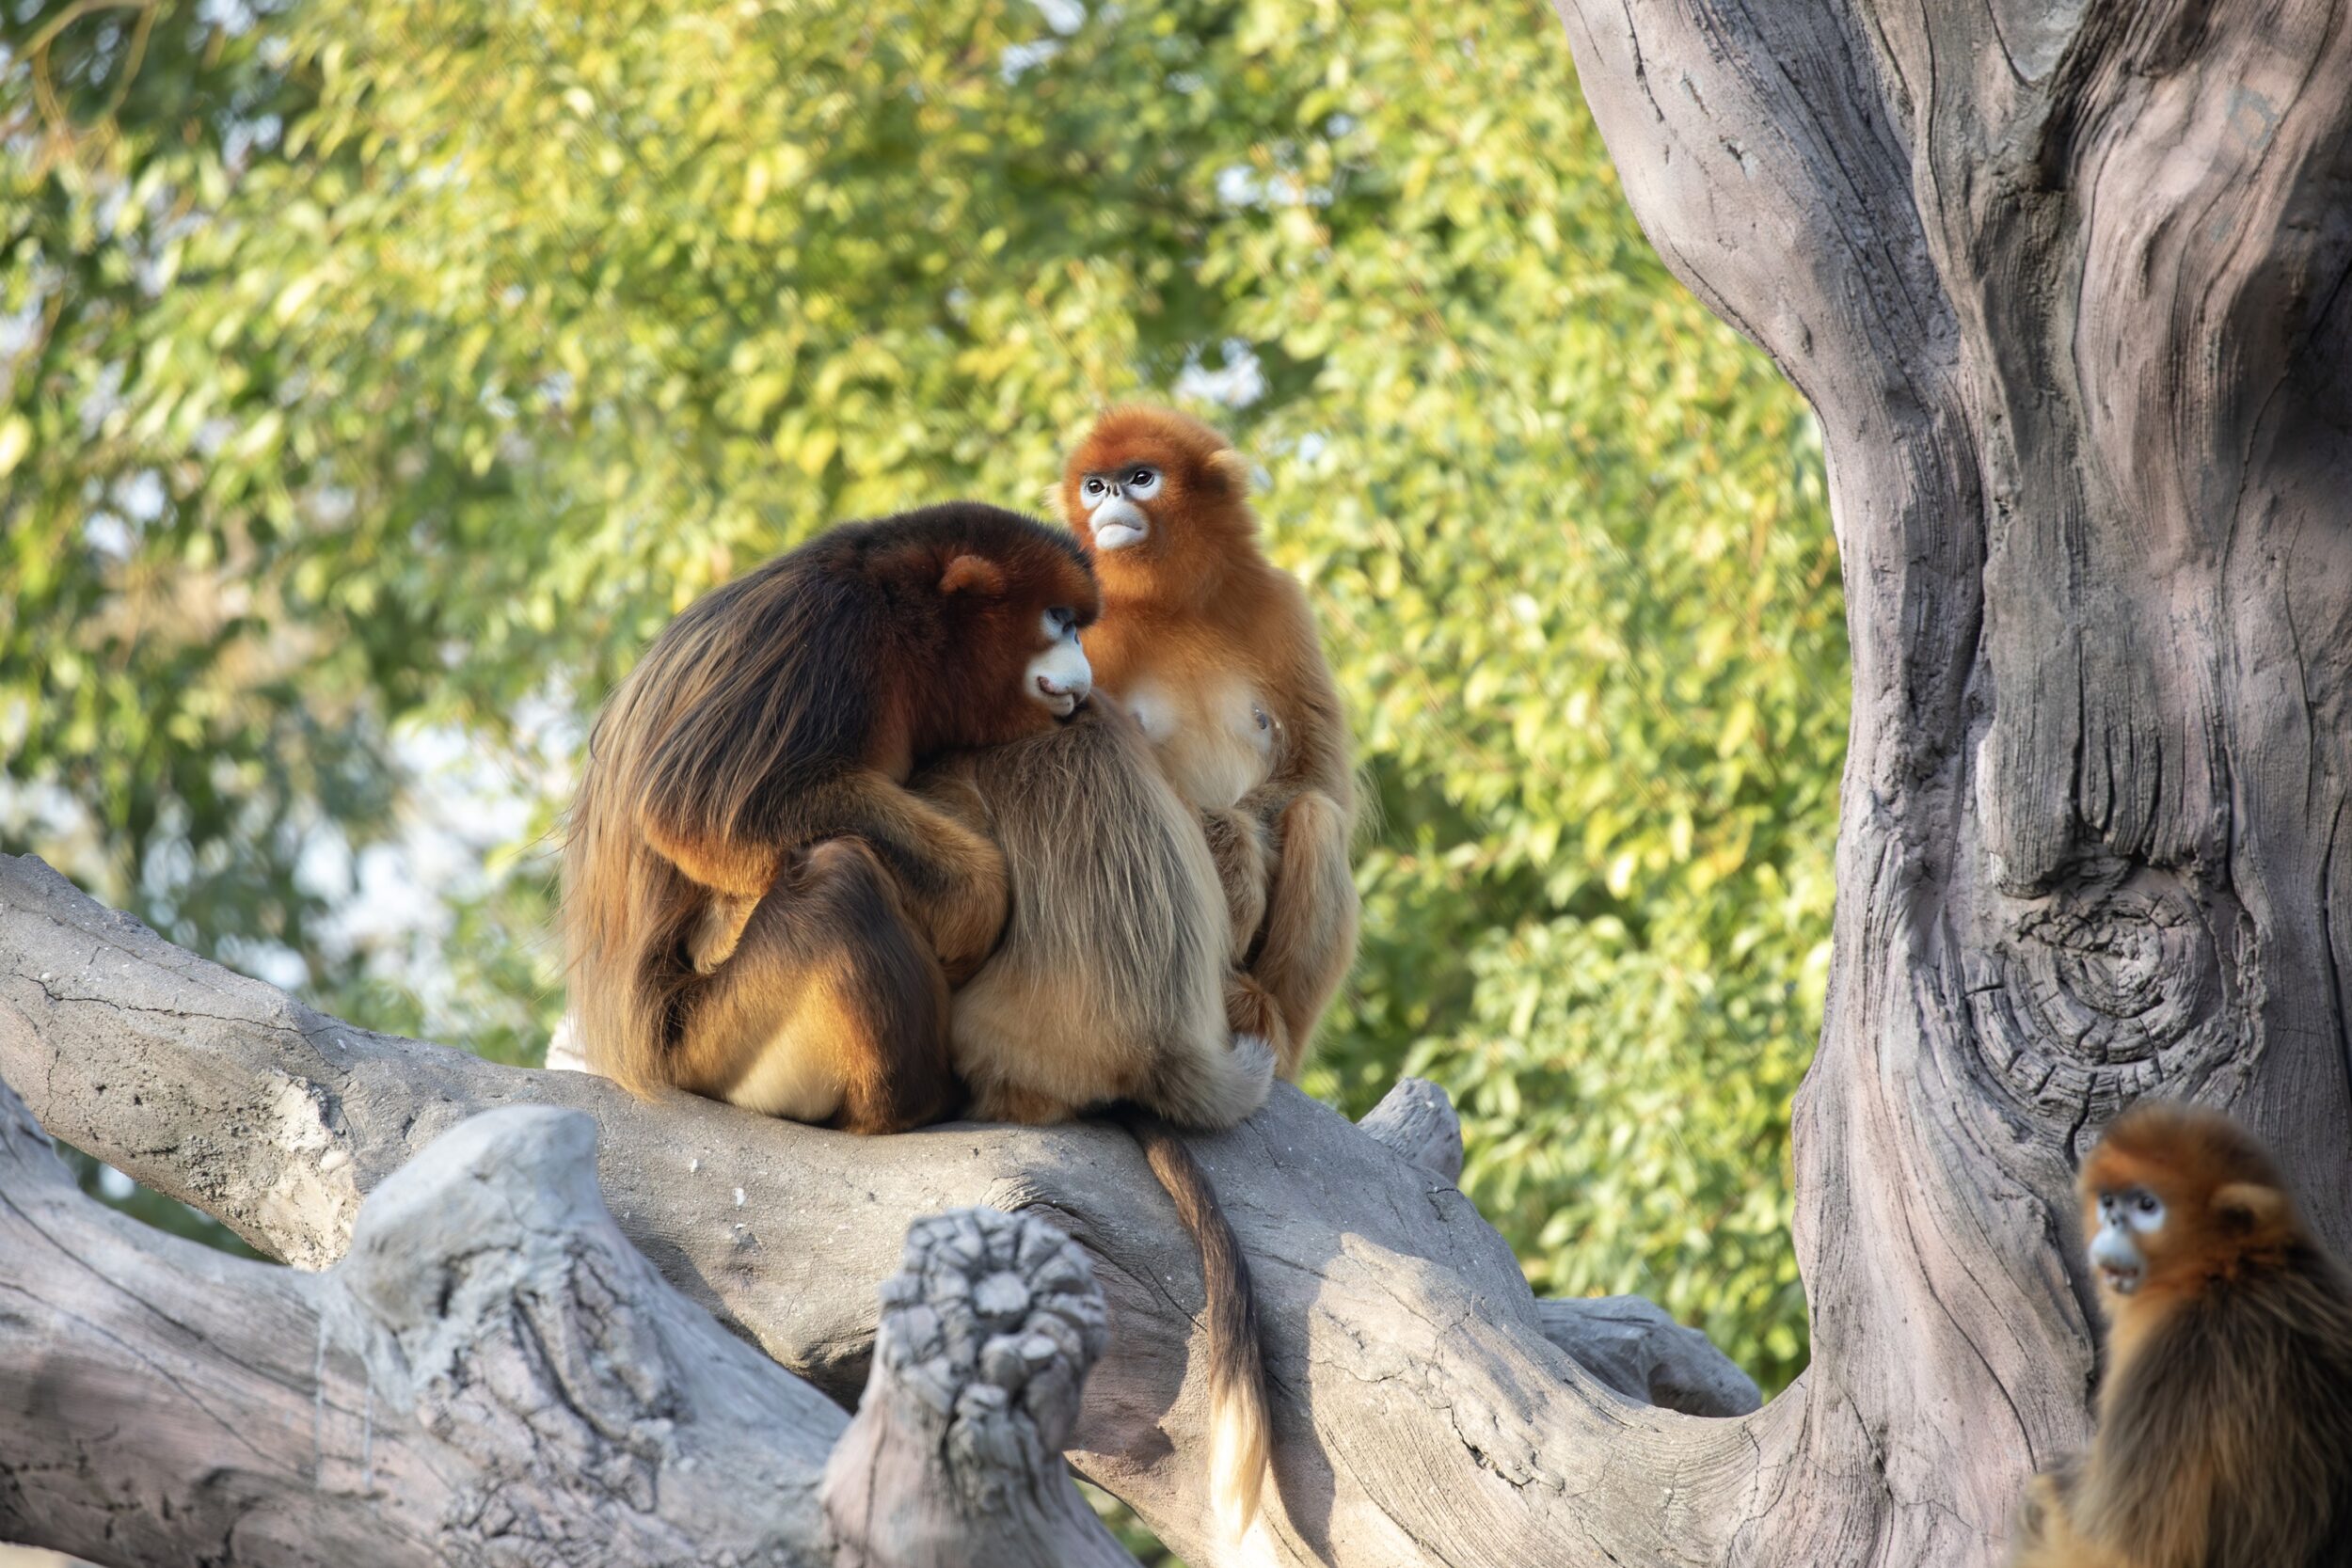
(1214, 650)
(1108, 986)
(756, 907)
(2225, 1412)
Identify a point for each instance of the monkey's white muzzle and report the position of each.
(1061, 678)
(1117, 523)
(2118, 1261)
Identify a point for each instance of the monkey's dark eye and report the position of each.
(1141, 476)
(1093, 487)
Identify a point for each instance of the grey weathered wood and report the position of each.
(1634, 1347)
(1422, 1414)
(491, 1375)
(1417, 1120)
(987, 1331)
(2065, 284)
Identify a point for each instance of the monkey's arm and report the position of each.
(733, 866)
(952, 875)
(736, 874)
(1311, 919)
(1312, 749)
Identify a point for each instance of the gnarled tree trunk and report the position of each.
(2066, 285)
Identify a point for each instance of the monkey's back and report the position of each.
(1111, 972)
(2236, 1412)
(733, 729)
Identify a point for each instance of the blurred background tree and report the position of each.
(375, 380)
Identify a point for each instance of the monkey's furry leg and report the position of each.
(953, 879)
(830, 1008)
(1252, 1014)
(1244, 868)
(1311, 920)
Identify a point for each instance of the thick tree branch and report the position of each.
(493, 1376)
(1422, 1415)
(986, 1335)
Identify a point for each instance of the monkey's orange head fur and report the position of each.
(2175, 1195)
(979, 597)
(1160, 500)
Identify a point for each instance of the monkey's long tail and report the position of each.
(1238, 1423)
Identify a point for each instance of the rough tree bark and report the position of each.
(2065, 284)
(493, 1376)
(1425, 1407)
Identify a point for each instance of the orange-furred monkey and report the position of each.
(2225, 1413)
(1215, 652)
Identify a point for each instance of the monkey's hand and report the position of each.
(2044, 1536)
(1244, 870)
(731, 867)
(2041, 1507)
(1251, 1013)
(713, 939)
(952, 875)
(1265, 806)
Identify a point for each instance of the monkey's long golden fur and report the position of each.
(1108, 982)
(1108, 986)
(2225, 1412)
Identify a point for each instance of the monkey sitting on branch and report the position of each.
(1214, 650)
(755, 907)
(1109, 987)
(2225, 1413)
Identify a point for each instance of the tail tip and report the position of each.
(1237, 1465)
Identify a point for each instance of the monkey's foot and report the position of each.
(1244, 870)
(714, 938)
(1251, 1013)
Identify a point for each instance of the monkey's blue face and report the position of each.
(2129, 1219)
(1115, 504)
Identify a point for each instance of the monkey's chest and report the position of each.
(1215, 737)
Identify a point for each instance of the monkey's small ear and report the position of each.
(972, 574)
(1232, 466)
(1050, 499)
(2249, 1208)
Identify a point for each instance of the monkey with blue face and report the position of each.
(2225, 1415)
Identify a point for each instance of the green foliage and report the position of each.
(372, 376)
